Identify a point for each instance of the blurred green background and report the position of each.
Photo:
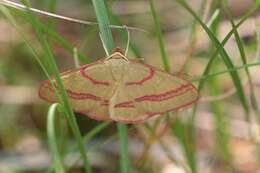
(219, 134)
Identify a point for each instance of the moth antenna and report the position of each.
(128, 40)
(104, 46)
(41, 12)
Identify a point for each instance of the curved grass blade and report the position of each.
(53, 144)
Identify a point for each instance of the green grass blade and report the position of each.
(221, 126)
(244, 60)
(225, 40)
(193, 33)
(190, 156)
(258, 40)
(52, 6)
(193, 37)
(109, 139)
(63, 95)
(221, 131)
(106, 35)
(63, 42)
(180, 129)
(9, 16)
(228, 36)
(53, 35)
(206, 74)
(185, 137)
(103, 23)
(206, 71)
(92, 133)
(235, 77)
(11, 19)
(124, 163)
(205, 77)
(164, 57)
(213, 18)
(57, 159)
(220, 121)
(95, 131)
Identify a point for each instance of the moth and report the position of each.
(119, 89)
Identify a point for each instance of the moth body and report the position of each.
(117, 67)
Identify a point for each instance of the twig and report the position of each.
(45, 13)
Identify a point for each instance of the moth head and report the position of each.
(117, 53)
(118, 50)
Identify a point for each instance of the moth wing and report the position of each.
(122, 108)
(89, 89)
(156, 92)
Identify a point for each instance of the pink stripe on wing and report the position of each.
(146, 78)
(166, 95)
(94, 81)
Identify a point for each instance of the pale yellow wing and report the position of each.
(122, 108)
(89, 89)
(156, 92)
